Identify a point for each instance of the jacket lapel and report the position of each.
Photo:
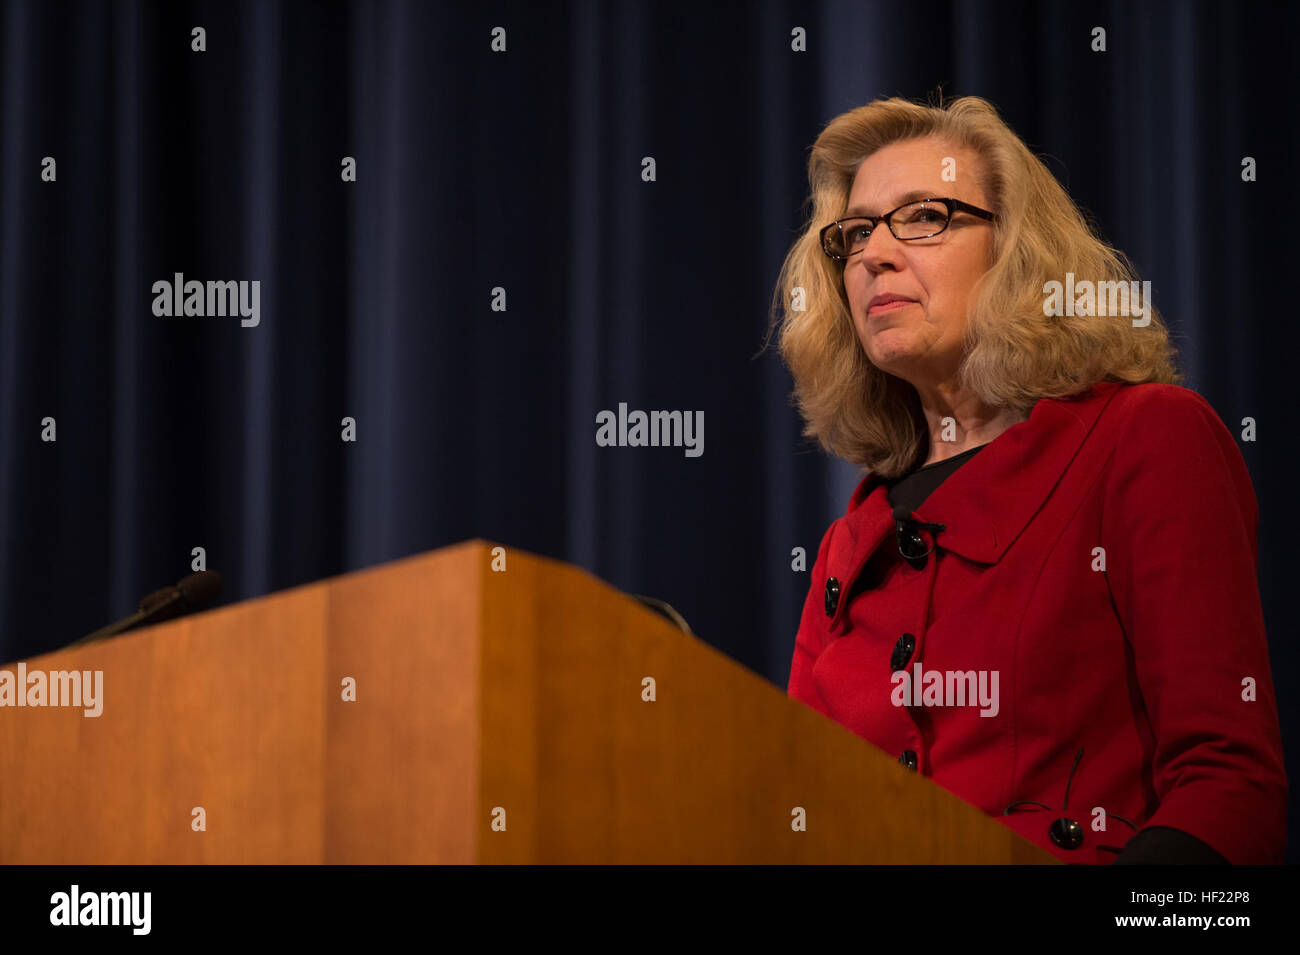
(991, 499)
(986, 504)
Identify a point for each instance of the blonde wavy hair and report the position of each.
(1013, 353)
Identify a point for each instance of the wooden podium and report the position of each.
(482, 698)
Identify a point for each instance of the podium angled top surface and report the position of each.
(460, 706)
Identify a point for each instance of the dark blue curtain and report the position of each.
(521, 170)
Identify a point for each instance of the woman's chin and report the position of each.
(893, 351)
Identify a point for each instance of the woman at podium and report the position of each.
(1043, 593)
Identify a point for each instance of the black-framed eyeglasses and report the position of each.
(920, 219)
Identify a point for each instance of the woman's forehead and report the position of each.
(913, 169)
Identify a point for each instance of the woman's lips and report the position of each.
(889, 306)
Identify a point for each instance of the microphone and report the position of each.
(190, 594)
(665, 610)
(910, 543)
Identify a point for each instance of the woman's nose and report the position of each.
(882, 250)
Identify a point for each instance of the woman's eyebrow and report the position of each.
(902, 200)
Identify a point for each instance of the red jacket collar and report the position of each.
(988, 502)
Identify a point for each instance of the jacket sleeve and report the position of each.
(810, 641)
(1179, 528)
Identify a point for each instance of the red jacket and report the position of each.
(1139, 654)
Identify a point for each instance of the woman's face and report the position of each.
(919, 340)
